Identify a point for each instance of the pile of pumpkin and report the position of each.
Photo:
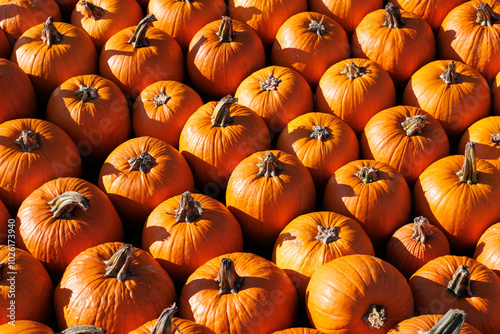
(249, 166)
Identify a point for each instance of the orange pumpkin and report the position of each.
(33, 327)
(298, 330)
(487, 248)
(5, 48)
(93, 112)
(495, 90)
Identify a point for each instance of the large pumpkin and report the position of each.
(216, 292)
(62, 218)
(358, 294)
(488, 248)
(32, 152)
(33, 327)
(113, 286)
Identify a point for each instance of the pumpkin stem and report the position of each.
(270, 165)
(62, 206)
(468, 173)
(317, 27)
(367, 174)
(50, 35)
(92, 11)
(451, 323)
(220, 116)
(393, 18)
(422, 230)
(143, 163)
(188, 209)
(353, 71)
(495, 138)
(226, 32)
(160, 99)
(164, 323)
(119, 263)
(228, 279)
(85, 93)
(375, 317)
(28, 140)
(83, 329)
(138, 39)
(451, 76)
(413, 125)
(270, 84)
(327, 234)
(320, 132)
(460, 282)
(485, 15)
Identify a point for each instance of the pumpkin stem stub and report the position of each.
(270, 165)
(119, 263)
(138, 39)
(317, 27)
(451, 323)
(460, 282)
(85, 93)
(270, 84)
(327, 234)
(62, 206)
(92, 11)
(353, 71)
(226, 32)
(413, 125)
(367, 174)
(320, 132)
(468, 173)
(164, 323)
(450, 76)
(485, 15)
(495, 138)
(143, 163)
(220, 117)
(160, 99)
(28, 140)
(83, 329)
(50, 35)
(393, 18)
(375, 317)
(228, 279)
(422, 230)
(188, 209)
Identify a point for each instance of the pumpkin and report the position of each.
(322, 142)
(187, 230)
(182, 19)
(298, 330)
(17, 94)
(20, 15)
(33, 327)
(218, 136)
(415, 244)
(405, 137)
(62, 218)
(355, 90)
(5, 48)
(163, 105)
(486, 251)
(277, 94)
(458, 282)
(266, 191)
(138, 56)
(5, 219)
(221, 55)
(369, 281)
(26, 290)
(401, 42)
(140, 174)
(310, 43)
(313, 239)
(454, 93)
(347, 13)
(227, 284)
(452, 322)
(265, 17)
(32, 152)
(495, 91)
(66, 50)
(93, 112)
(101, 19)
(374, 194)
(469, 33)
(113, 286)
(468, 185)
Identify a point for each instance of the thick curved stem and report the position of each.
(85, 93)
(468, 173)
(327, 234)
(119, 264)
(270, 165)
(28, 140)
(485, 15)
(495, 138)
(320, 132)
(270, 84)
(220, 117)
(62, 206)
(367, 174)
(226, 32)
(460, 282)
(90, 10)
(160, 99)
(317, 27)
(50, 35)
(143, 163)
(353, 71)
(228, 279)
(188, 209)
(422, 230)
(393, 18)
(450, 76)
(451, 323)
(164, 323)
(83, 329)
(138, 39)
(413, 125)
(375, 317)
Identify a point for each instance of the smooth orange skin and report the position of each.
(26, 327)
(433, 11)
(424, 323)
(298, 330)
(487, 249)
(184, 327)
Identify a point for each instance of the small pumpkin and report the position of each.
(33, 327)
(487, 248)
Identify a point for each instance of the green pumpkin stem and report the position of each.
(164, 323)
(413, 125)
(119, 264)
(317, 27)
(270, 165)
(353, 71)
(90, 10)
(142, 163)
(327, 234)
(270, 84)
(459, 285)
(50, 35)
(226, 32)
(422, 230)
(188, 209)
(28, 140)
(393, 18)
(451, 323)
(138, 39)
(485, 15)
(450, 76)
(83, 329)
(367, 174)
(468, 173)
(495, 138)
(220, 117)
(85, 93)
(375, 317)
(62, 206)
(160, 99)
(228, 279)
(320, 132)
